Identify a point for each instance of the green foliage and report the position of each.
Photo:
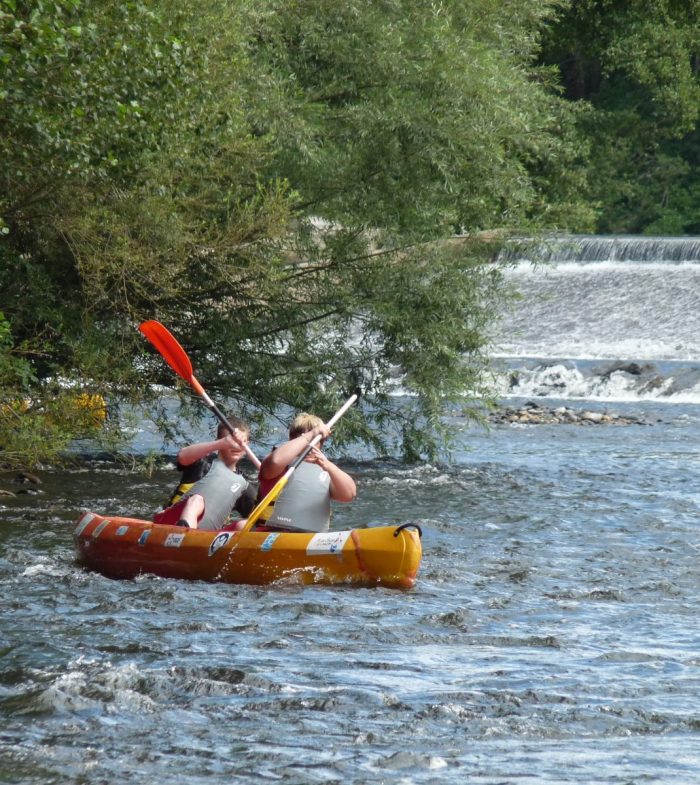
(279, 183)
(15, 371)
(38, 420)
(431, 118)
(638, 65)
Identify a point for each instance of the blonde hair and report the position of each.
(303, 423)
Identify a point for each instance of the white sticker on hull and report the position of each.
(99, 529)
(85, 519)
(174, 540)
(327, 542)
(121, 531)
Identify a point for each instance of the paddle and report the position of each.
(277, 488)
(176, 357)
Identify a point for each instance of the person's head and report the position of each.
(303, 423)
(233, 455)
(237, 423)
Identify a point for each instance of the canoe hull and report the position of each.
(126, 547)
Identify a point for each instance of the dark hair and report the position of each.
(236, 422)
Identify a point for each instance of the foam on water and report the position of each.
(576, 380)
(584, 306)
(551, 636)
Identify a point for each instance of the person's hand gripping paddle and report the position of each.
(278, 487)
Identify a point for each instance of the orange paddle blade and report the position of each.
(167, 345)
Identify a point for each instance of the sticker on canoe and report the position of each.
(174, 540)
(85, 519)
(99, 529)
(269, 541)
(218, 542)
(145, 534)
(327, 542)
(121, 531)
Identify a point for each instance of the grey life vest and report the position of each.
(305, 502)
(220, 488)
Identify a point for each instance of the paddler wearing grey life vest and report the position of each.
(194, 469)
(305, 502)
(209, 502)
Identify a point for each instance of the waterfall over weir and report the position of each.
(619, 248)
(614, 318)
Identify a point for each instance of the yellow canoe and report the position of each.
(126, 547)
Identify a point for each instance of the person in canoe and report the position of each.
(209, 502)
(193, 471)
(305, 502)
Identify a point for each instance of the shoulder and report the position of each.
(270, 467)
(201, 466)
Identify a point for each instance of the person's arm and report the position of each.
(193, 452)
(342, 488)
(280, 458)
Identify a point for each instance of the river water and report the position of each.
(552, 635)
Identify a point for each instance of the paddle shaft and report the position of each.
(197, 387)
(277, 488)
(176, 357)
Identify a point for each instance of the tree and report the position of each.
(279, 183)
(638, 65)
(101, 105)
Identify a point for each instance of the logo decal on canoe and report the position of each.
(145, 534)
(85, 519)
(269, 541)
(218, 542)
(174, 540)
(99, 529)
(327, 542)
(121, 531)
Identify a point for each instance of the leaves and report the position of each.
(637, 66)
(281, 183)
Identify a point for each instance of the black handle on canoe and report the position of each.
(408, 526)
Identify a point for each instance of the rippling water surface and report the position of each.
(552, 635)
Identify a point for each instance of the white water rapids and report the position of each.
(607, 319)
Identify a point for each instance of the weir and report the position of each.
(591, 306)
(618, 248)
